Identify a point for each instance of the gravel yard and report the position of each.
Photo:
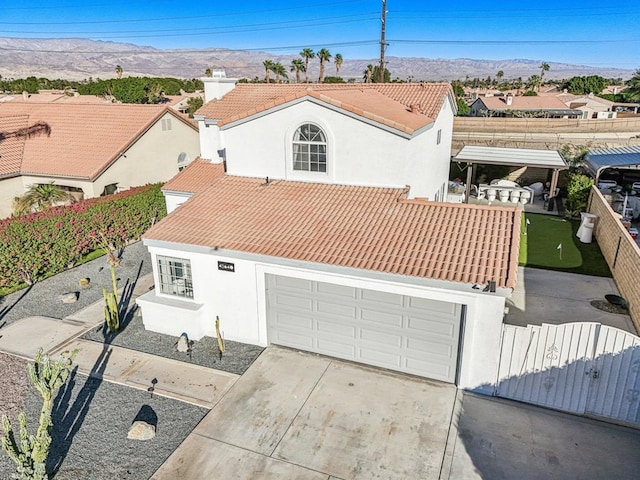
(92, 417)
(91, 420)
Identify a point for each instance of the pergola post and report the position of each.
(467, 192)
(554, 183)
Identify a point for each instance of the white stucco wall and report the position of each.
(357, 153)
(9, 188)
(239, 299)
(174, 199)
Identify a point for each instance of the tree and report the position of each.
(208, 73)
(633, 88)
(338, 61)
(375, 75)
(307, 54)
(534, 82)
(40, 197)
(194, 103)
(585, 85)
(499, 75)
(368, 73)
(297, 66)
(324, 56)
(119, 71)
(268, 68)
(544, 67)
(30, 452)
(279, 71)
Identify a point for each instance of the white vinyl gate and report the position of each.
(398, 332)
(583, 368)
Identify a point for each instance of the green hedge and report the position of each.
(38, 245)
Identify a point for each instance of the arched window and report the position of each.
(309, 149)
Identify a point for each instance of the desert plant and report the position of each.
(30, 452)
(220, 339)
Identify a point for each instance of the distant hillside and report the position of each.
(77, 59)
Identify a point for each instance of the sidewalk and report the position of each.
(174, 379)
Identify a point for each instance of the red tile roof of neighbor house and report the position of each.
(197, 176)
(85, 139)
(360, 227)
(386, 103)
(524, 103)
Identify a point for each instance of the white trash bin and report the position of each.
(585, 231)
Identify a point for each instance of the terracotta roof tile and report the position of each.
(197, 176)
(85, 138)
(360, 227)
(386, 103)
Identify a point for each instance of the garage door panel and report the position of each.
(346, 311)
(294, 302)
(381, 359)
(336, 328)
(436, 306)
(376, 328)
(293, 283)
(336, 349)
(431, 327)
(383, 318)
(382, 297)
(336, 290)
(380, 338)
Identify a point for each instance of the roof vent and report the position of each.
(414, 108)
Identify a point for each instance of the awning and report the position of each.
(516, 157)
(620, 157)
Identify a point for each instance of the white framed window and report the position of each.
(166, 124)
(175, 276)
(439, 138)
(183, 161)
(310, 149)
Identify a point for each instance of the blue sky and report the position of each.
(587, 32)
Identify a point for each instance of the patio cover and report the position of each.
(516, 157)
(596, 161)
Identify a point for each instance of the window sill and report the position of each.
(168, 301)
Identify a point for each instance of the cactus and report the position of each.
(111, 310)
(31, 451)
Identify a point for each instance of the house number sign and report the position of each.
(226, 266)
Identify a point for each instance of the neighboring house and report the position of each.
(91, 150)
(522, 106)
(318, 237)
(596, 107)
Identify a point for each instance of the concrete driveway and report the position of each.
(300, 416)
(297, 415)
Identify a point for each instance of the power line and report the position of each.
(515, 42)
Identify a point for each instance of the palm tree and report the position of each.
(499, 76)
(307, 54)
(119, 71)
(280, 71)
(368, 73)
(534, 82)
(208, 73)
(297, 65)
(268, 67)
(338, 61)
(544, 67)
(633, 86)
(324, 56)
(40, 197)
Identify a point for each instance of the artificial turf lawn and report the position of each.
(539, 247)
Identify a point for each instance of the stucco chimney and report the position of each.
(217, 86)
(509, 99)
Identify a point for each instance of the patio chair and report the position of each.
(491, 195)
(525, 196)
(515, 196)
(503, 195)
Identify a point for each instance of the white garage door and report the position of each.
(398, 332)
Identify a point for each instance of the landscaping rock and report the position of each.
(69, 297)
(183, 343)
(141, 430)
(83, 282)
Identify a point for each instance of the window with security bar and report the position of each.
(175, 276)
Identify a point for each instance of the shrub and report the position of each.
(35, 246)
(577, 193)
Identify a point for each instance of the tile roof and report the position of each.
(85, 139)
(386, 103)
(360, 227)
(11, 146)
(197, 176)
(524, 103)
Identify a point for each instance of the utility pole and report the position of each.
(383, 44)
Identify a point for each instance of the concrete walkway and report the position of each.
(180, 380)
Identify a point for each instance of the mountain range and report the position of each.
(78, 59)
